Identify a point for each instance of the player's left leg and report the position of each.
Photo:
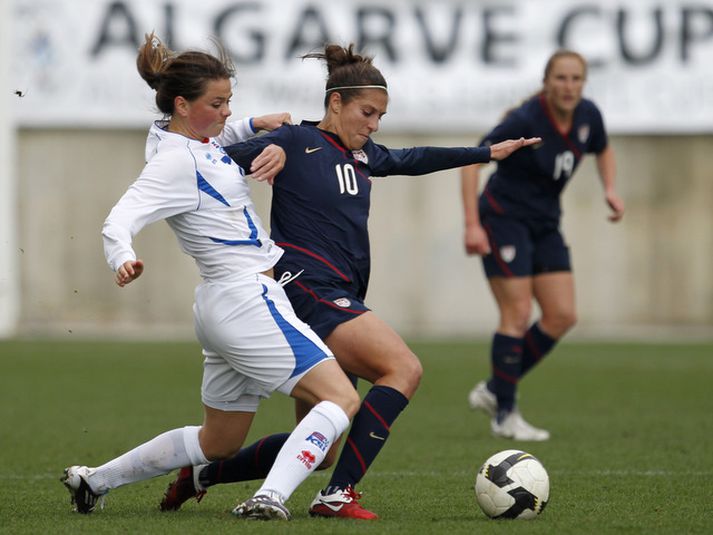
(222, 434)
(553, 289)
(367, 347)
(554, 293)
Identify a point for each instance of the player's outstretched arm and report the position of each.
(502, 150)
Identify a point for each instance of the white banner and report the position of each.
(451, 65)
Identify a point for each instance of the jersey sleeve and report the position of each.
(244, 152)
(236, 131)
(598, 140)
(165, 187)
(423, 160)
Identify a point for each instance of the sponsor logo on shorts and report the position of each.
(507, 253)
(307, 458)
(319, 440)
(342, 302)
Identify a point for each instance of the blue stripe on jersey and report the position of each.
(306, 352)
(204, 186)
(253, 233)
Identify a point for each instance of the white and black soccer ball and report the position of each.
(512, 484)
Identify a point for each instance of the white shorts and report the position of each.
(253, 342)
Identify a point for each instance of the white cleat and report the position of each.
(515, 427)
(84, 499)
(263, 507)
(480, 398)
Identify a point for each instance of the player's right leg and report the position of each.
(514, 298)
(508, 268)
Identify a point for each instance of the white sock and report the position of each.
(305, 449)
(168, 451)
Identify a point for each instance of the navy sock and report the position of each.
(370, 429)
(253, 462)
(506, 358)
(537, 345)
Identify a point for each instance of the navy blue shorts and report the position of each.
(323, 306)
(523, 247)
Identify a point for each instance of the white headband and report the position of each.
(357, 87)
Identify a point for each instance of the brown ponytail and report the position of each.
(183, 74)
(348, 69)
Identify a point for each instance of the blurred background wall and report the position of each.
(648, 276)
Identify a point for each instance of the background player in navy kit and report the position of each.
(320, 207)
(515, 227)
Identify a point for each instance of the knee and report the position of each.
(404, 374)
(567, 321)
(516, 321)
(219, 452)
(558, 324)
(349, 401)
(571, 320)
(413, 371)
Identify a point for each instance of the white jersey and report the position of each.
(204, 197)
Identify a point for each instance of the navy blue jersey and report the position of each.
(321, 199)
(529, 182)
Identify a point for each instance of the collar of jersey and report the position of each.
(331, 135)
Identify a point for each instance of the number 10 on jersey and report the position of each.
(346, 176)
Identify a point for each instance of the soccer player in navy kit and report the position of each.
(320, 207)
(514, 226)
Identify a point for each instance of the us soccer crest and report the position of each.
(507, 253)
(360, 156)
(342, 302)
(583, 133)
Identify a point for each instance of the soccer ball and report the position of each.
(512, 484)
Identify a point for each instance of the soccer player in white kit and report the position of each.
(252, 341)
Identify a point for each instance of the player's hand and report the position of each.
(502, 150)
(128, 271)
(268, 163)
(272, 121)
(617, 206)
(476, 240)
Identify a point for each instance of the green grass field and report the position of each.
(632, 446)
